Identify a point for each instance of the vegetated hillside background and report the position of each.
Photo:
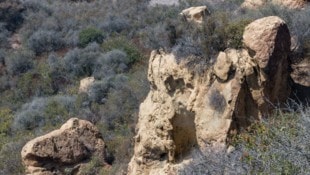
(48, 46)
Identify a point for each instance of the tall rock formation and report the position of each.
(65, 150)
(188, 109)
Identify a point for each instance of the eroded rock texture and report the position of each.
(253, 4)
(65, 150)
(188, 109)
(291, 4)
(195, 14)
(85, 84)
(301, 72)
(268, 41)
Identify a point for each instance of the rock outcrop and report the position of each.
(268, 41)
(253, 4)
(195, 14)
(301, 78)
(300, 62)
(292, 4)
(301, 72)
(188, 109)
(85, 84)
(66, 149)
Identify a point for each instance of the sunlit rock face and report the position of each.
(195, 14)
(188, 109)
(85, 84)
(291, 4)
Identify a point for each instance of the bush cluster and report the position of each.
(45, 41)
(44, 112)
(11, 13)
(124, 45)
(19, 62)
(89, 35)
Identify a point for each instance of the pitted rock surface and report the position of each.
(69, 147)
(187, 110)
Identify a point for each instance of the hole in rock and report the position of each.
(183, 133)
(173, 84)
(163, 156)
(300, 94)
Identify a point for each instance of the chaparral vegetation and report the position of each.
(48, 46)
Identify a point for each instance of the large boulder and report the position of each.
(291, 4)
(268, 41)
(187, 109)
(68, 148)
(253, 4)
(195, 14)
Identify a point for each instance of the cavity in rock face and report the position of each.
(183, 133)
(186, 110)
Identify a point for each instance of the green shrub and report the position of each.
(45, 41)
(55, 113)
(125, 45)
(6, 119)
(94, 166)
(89, 35)
(10, 157)
(35, 83)
(20, 62)
(11, 13)
(111, 63)
(44, 113)
(234, 32)
(81, 62)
